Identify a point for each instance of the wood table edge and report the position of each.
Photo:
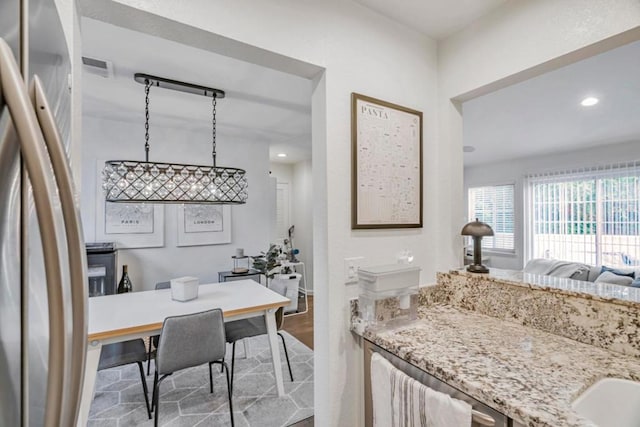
(155, 326)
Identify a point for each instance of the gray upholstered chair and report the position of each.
(124, 353)
(252, 327)
(153, 341)
(188, 341)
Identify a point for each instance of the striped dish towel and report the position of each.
(401, 401)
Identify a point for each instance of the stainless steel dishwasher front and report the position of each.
(483, 416)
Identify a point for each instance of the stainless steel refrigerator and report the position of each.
(42, 258)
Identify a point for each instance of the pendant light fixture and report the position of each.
(132, 181)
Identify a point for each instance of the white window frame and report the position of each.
(597, 174)
(471, 216)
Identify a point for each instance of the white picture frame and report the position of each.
(201, 225)
(129, 225)
(116, 222)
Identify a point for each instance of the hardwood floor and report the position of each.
(301, 325)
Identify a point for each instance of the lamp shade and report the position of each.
(477, 229)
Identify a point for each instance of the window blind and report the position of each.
(494, 205)
(586, 215)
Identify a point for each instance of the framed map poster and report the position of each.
(386, 182)
(130, 225)
(204, 224)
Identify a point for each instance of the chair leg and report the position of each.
(156, 397)
(229, 392)
(153, 397)
(233, 362)
(210, 378)
(145, 388)
(149, 360)
(286, 355)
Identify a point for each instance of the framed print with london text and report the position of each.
(386, 154)
(204, 224)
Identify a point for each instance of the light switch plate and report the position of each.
(351, 267)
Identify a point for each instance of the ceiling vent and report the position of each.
(98, 66)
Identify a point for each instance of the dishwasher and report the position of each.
(482, 416)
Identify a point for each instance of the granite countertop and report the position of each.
(607, 292)
(530, 375)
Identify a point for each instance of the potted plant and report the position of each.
(268, 263)
(281, 277)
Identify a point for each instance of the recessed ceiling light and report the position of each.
(282, 155)
(468, 148)
(589, 101)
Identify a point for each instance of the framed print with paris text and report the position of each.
(386, 154)
(129, 225)
(204, 225)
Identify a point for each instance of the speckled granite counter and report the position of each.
(530, 375)
(603, 315)
(605, 292)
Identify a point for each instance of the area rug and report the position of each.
(185, 399)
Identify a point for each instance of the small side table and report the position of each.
(226, 276)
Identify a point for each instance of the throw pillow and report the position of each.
(618, 272)
(609, 277)
(581, 273)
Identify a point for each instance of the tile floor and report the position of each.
(185, 399)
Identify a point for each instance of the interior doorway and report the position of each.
(312, 220)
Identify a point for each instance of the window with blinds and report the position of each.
(494, 205)
(588, 215)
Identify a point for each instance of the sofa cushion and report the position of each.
(616, 279)
(618, 272)
(581, 273)
(557, 268)
(594, 272)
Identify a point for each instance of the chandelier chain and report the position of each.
(214, 103)
(147, 86)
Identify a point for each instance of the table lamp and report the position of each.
(477, 230)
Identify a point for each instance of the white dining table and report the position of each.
(123, 317)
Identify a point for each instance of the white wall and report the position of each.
(283, 172)
(514, 171)
(514, 42)
(107, 139)
(302, 214)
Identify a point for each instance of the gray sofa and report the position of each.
(584, 272)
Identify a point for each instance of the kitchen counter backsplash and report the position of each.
(606, 292)
(602, 320)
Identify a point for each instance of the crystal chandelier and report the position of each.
(132, 181)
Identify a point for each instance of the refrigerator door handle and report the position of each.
(75, 247)
(13, 93)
